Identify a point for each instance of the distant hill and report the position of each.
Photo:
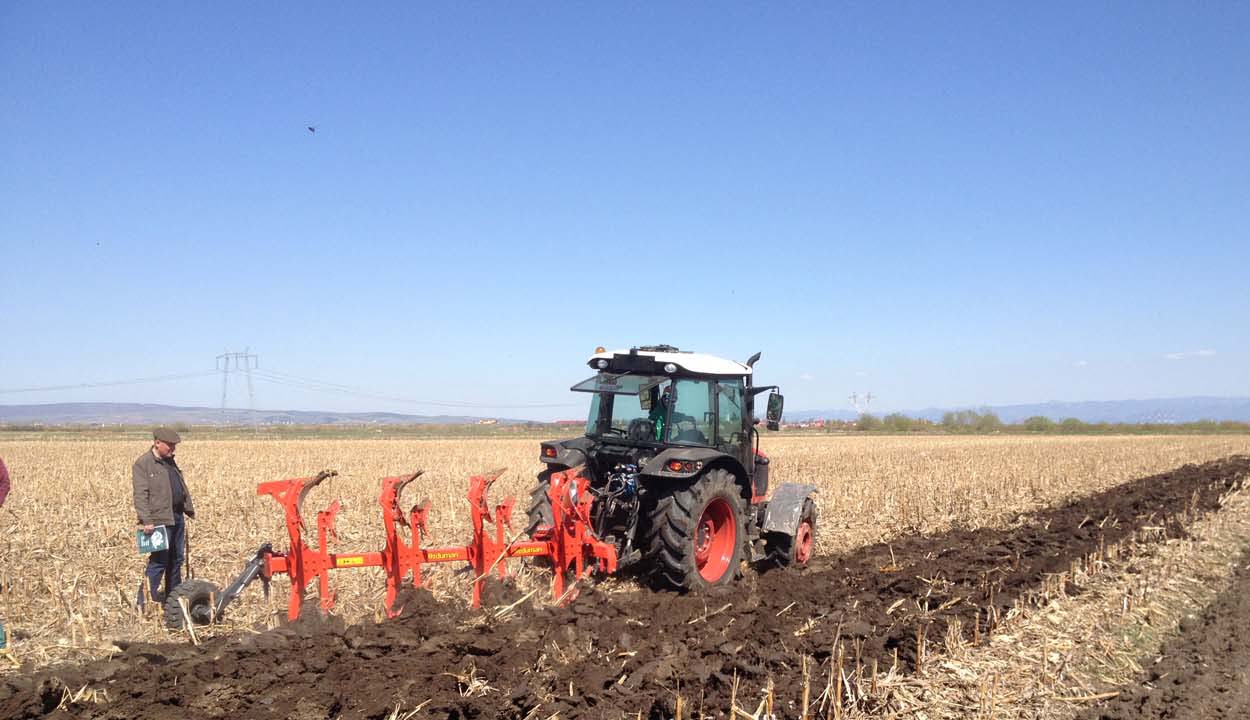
(149, 414)
(1166, 410)
(1163, 410)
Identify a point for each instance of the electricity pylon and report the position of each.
(861, 403)
(230, 362)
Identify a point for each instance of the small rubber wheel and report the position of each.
(796, 549)
(199, 596)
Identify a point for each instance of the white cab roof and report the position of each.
(689, 361)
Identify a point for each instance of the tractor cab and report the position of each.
(649, 409)
(658, 396)
(671, 441)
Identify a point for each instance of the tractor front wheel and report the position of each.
(696, 536)
(795, 549)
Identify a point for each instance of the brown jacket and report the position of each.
(154, 500)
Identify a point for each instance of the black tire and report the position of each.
(200, 596)
(786, 549)
(673, 534)
(539, 511)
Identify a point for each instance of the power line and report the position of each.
(337, 388)
(281, 378)
(245, 362)
(108, 383)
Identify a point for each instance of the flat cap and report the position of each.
(166, 435)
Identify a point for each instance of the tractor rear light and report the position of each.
(681, 466)
(549, 452)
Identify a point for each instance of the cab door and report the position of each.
(732, 436)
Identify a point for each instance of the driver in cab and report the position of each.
(686, 431)
(659, 409)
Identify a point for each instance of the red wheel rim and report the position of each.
(804, 540)
(714, 539)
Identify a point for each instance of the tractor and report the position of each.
(668, 476)
(671, 452)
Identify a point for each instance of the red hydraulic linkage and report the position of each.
(569, 542)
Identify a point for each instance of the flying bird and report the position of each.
(312, 129)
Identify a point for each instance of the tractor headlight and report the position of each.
(670, 368)
(601, 364)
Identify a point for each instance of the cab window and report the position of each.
(692, 413)
(729, 435)
(634, 417)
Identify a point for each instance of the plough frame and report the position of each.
(568, 541)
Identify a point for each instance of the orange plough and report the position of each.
(569, 541)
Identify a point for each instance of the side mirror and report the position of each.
(773, 414)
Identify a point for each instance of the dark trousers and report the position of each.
(164, 570)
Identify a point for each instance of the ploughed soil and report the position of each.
(1202, 673)
(614, 654)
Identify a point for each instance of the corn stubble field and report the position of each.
(70, 569)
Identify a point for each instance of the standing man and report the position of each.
(161, 498)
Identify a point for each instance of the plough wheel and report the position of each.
(199, 596)
(695, 534)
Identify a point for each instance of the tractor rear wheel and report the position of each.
(539, 511)
(795, 549)
(695, 533)
(199, 597)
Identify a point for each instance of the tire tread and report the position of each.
(671, 526)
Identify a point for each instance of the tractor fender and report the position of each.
(784, 510)
(567, 452)
(705, 459)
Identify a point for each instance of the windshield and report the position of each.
(618, 384)
(637, 416)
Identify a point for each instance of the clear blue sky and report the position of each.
(943, 204)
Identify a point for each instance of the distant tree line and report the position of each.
(971, 422)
